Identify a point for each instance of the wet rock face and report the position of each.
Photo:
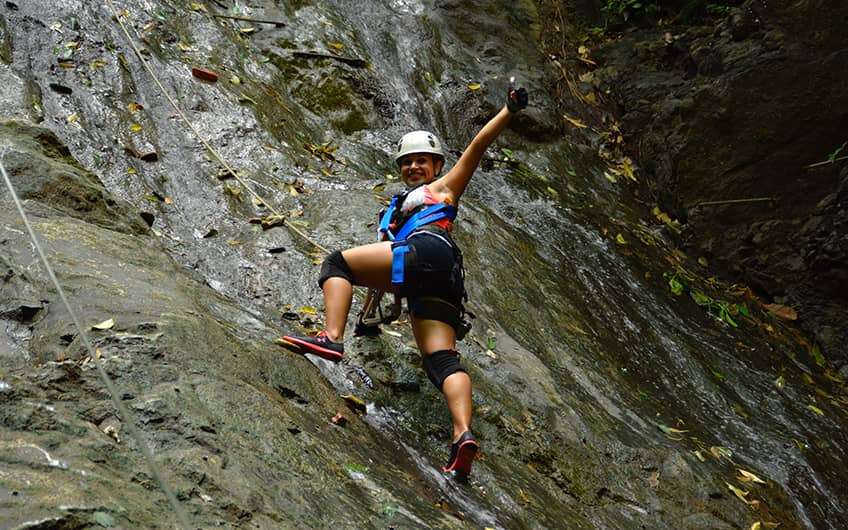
(736, 110)
(577, 356)
(41, 168)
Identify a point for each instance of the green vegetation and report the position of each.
(629, 11)
(832, 156)
(356, 468)
(722, 310)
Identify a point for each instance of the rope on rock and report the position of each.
(197, 134)
(107, 381)
(205, 143)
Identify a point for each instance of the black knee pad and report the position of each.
(335, 266)
(441, 364)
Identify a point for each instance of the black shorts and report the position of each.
(433, 281)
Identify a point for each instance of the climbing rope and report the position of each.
(206, 144)
(107, 381)
(209, 147)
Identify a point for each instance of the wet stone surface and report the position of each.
(596, 400)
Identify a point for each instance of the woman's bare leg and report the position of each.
(433, 336)
(457, 391)
(338, 294)
(372, 267)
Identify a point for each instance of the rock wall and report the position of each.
(601, 399)
(736, 109)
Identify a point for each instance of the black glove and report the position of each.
(516, 98)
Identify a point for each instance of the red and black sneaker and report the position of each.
(462, 455)
(319, 345)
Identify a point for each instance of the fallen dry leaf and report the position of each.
(106, 324)
(670, 430)
(574, 121)
(206, 75)
(626, 168)
(781, 311)
(740, 493)
(356, 404)
(747, 476)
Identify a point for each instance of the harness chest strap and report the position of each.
(400, 247)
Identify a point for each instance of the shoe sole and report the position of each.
(299, 346)
(464, 458)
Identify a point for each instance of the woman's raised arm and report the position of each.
(456, 180)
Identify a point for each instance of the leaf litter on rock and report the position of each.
(720, 452)
(742, 495)
(747, 476)
(671, 432)
(781, 311)
(355, 403)
(815, 409)
(106, 324)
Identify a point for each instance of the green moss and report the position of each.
(5, 43)
(333, 99)
(286, 44)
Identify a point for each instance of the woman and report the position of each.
(418, 260)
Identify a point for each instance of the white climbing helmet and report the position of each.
(419, 142)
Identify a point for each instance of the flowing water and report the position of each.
(602, 400)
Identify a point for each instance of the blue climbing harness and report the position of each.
(400, 246)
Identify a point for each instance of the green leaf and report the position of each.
(816, 354)
(742, 309)
(700, 298)
(507, 153)
(724, 314)
(675, 286)
(389, 510)
(491, 343)
(832, 156)
(719, 452)
(356, 468)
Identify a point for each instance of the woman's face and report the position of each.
(419, 168)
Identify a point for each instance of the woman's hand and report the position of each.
(452, 185)
(516, 98)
